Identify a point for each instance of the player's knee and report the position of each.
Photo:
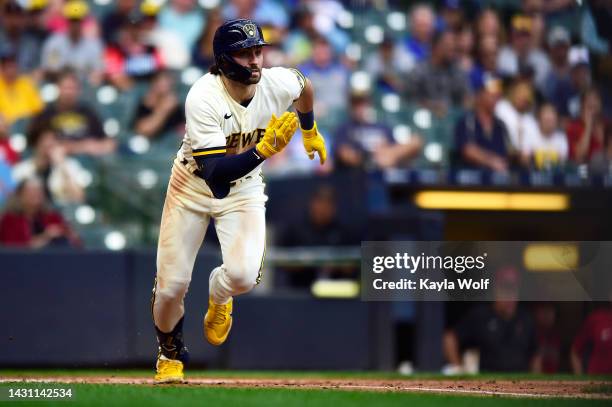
(168, 290)
(243, 275)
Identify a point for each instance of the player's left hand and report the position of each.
(313, 141)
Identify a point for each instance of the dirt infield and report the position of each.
(508, 388)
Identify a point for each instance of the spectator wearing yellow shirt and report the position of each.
(19, 97)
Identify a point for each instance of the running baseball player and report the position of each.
(236, 118)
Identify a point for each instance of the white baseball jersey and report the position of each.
(216, 123)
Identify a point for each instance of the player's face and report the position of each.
(251, 58)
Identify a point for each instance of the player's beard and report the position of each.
(253, 79)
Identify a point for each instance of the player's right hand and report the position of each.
(278, 134)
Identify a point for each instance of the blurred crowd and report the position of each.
(509, 336)
(521, 84)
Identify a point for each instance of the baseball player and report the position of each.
(236, 119)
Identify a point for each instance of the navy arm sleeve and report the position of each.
(219, 170)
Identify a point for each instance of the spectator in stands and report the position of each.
(488, 25)
(389, 66)
(61, 176)
(596, 336)
(7, 154)
(311, 20)
(550, 148)
(521, 52)
(535, 10)
(320, 227)
(30, 221)
(548, 337)
(273, 53)
(585, 134)
(14, 34)
(527, 74)
(567, 99)
(6, 182)
(131, 58)
(465, 48)
(365, 144)
(117, 18)
(298, 44)
(183, 18)
(326, 18)
(422, 29)
(503, 332)
(516, 113)
(451, 15)
(595, 29)
(8, 158)
(202, 54)
(486, 61)
(19, 97)
(73, 49)
(169, 45)
(264, 12)
(438, 83)
(601, 162)
(329, 78)
(36, 21)
(557, 7)
(558, 80)
(56, 20)
(481, 139)
(78, 125)
(160, 111)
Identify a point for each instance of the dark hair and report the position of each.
(13, 204)
(214, 69)
(587, 92)
(36, 130)
(12, 7)
(67, 73)
(324, 191)
(546, 105)
(318, 38)
(359, 97)
(438, 36)
(161, 73)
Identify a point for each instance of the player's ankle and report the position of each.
(171, 344)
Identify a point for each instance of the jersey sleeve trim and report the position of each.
(300, 77)
(209, 152)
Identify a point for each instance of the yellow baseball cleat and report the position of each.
(217, 322)
(169, 371)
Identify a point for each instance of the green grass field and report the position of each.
(210, 395)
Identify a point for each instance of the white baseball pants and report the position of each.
(240, 225)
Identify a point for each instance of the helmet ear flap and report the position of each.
(223, 63)
(232, 69)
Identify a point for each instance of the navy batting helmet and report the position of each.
(232, 36)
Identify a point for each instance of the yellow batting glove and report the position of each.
(278, 134)
(313, 141)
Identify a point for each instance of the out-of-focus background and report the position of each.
(444, 120)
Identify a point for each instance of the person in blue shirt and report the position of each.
(264, 12)
(363, 143)
(422, 29)
(481, 139)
